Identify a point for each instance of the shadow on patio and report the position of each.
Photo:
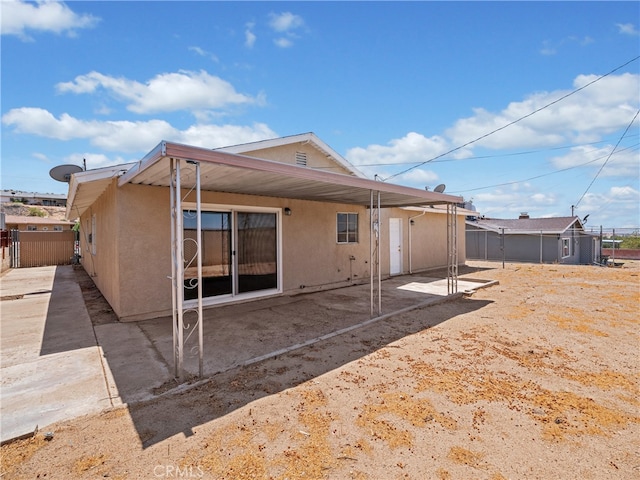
(247, 348)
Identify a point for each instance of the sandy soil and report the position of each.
(537, 377)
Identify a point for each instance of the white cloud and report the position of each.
(413, 147)
(41, 156)
(97, 160)
(551, 48)
(18, 17)
(283, 42)
(285, 22)
(600, 109)
(215, 136)
(623, 201)
(125, 136)
(249, 37)
(627, 29)
(166, 92)
(418, 178)
(625, 193)
(203, 53)
(510, 201)
(623, 163)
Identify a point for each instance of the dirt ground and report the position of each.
(18, 209)
(537, 377)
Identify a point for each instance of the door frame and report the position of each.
(233, 209)
(395, 251)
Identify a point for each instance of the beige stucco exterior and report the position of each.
(126, 245)
(287, 154)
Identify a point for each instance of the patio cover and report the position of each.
(226, 172)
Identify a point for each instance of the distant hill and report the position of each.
(20, 210)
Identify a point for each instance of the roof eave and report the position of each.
(186, 152)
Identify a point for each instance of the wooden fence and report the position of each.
(39, 249)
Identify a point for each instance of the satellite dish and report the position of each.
(440, 188)
(62, 173)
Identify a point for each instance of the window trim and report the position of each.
(233, 209)
(566, 243)
(347, 233)
(93, 234)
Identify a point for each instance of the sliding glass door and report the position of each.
(217, 266)
(239, 253)
(257, 251)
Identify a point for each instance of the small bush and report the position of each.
(36, 212)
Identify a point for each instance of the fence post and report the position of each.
(502, 247)
(613, 248)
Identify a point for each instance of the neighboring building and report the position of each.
(31, 198)
(39, 224)
(537, 240)
(287, 216)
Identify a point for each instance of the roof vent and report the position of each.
(301, 159)
(523, 216)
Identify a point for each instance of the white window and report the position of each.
(92, 238)
(347, 228)
(31, 228)
(566, 247)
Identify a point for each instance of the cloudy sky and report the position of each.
(517, 106)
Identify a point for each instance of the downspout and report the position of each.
(410, 235)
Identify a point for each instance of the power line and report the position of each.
(515, 121)
(543, 174)
(609, 157)
(483, 157)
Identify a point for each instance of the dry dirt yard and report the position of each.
(537, 377)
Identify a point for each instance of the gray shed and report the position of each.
(534, 240)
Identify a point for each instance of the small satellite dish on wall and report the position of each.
(440, 188)
(62, 173)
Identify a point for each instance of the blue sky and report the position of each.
(388, 85)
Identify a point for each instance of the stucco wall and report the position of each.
(133, 256)
(424, 243)
(103, 266)
(144, 258)
(287, 154)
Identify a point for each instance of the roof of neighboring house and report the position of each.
(310, 138)
(20, 194)
(231, 173)
(526, 225)
(20, 220)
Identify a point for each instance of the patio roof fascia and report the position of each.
(407, 196)
(98, 178)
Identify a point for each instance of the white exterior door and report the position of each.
(395, 246)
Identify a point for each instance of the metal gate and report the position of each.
(40, 249)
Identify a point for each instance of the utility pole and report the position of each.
(572, 208)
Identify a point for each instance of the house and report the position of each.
(33, 224)
(188, 227)
(536, 240)
(32, 198)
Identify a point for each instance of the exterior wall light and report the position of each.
(287, 211)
